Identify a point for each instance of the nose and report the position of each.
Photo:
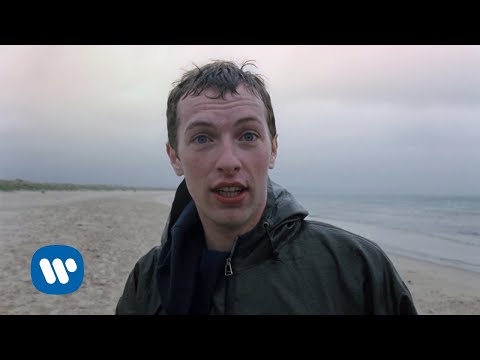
(228, 160)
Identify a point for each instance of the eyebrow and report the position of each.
(203, 123)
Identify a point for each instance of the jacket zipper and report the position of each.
(228, 261)
(228, 273)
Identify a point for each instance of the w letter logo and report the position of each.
(57, 269)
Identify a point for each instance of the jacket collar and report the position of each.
(281, 206)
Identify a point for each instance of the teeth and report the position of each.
(230, 191)
(230, 188)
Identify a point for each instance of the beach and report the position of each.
(112, 229)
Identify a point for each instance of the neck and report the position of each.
(222, 238)
(219, 239)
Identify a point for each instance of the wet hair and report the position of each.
(223, 77)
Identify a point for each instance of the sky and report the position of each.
(350, 119)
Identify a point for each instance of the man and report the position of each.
(236, 242)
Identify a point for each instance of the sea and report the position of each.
(440, 229)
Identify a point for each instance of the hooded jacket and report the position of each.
(285, 265)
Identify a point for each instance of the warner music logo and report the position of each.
(57, 269)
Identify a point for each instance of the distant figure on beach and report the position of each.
(235, 241)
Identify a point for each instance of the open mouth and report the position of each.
(230, 191)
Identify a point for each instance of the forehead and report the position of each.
(245, 103)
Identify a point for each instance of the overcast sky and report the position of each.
(351, 119)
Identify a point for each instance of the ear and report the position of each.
(273, 155)
(174, 160)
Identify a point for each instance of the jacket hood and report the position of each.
(281, 207)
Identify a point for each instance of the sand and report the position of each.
(112, 229)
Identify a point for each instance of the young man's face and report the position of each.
(224, 151)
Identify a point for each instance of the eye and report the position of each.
(201, 139)
(249, 136)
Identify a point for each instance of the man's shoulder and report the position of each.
(338, 239)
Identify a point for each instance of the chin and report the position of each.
(231, 221)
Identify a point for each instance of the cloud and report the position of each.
(356, 118)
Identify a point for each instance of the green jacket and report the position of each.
(285, 265)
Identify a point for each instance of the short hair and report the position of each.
(224, 77)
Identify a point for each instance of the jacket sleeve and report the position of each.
(402, 298)
(387, 291)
